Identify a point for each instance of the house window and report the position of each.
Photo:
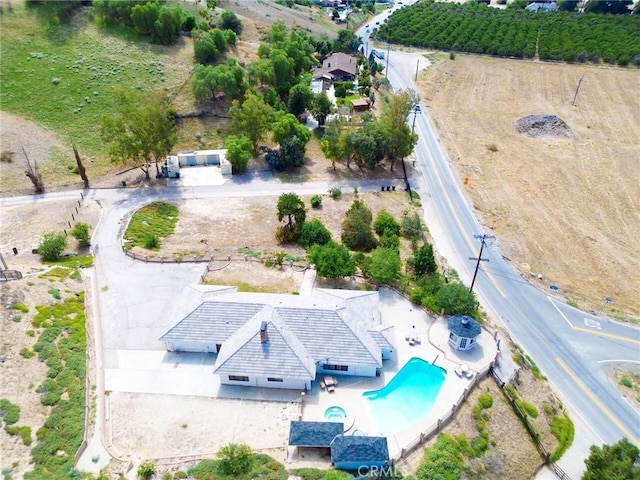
(238, 378)
(452, 336)
(272, 379)
(339, 368)
(463, 343)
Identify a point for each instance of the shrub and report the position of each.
(234, 459)
(335, 193)
(423, 261)
(26, 352)
(146, 470)
(385, 221)
(52, 246)
(19, 306)
(316, 201)
(9, 412)
(24, 432)
(314, 232)
(357, 235)
(152, 242)
(485, 401)
(80, 232)
(562, 428)
(456, 299)
(411, 225)
(528, 408)
(626, 382)
(55, 293)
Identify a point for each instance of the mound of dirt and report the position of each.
(543, 126)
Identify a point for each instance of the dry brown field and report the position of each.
(563, 207)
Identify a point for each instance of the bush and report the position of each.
(19, 306)
(528, 408)
(146, 470)
(316, 201)
(485, 401)
(335, 193)
(314, 232)
(24, 432)
(9, 412)
(626, 382)
(26, 352)
(152, 242)
(385, 221)
(456, 299)
(423, 261)
(234, 459)
(411, 225)
(52, 246)
(80, 232)
(562, 428)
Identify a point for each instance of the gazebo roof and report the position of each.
(464, 326)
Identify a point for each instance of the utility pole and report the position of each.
(479, 259)
(416, 111)
(386, 70)
(577, 88)
(417, 66)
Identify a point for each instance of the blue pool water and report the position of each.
(335, 414)
(407, 398)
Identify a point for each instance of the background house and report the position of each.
(339, 66)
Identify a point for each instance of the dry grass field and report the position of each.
(563, 207)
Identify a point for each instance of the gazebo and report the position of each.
(463, 331)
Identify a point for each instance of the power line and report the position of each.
(479, 259)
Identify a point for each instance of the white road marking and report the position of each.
(592, 323)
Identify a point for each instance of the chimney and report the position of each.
(263, 332)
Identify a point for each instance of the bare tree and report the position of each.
(81, 170)
(33, 173)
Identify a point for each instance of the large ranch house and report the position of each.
(282, 341)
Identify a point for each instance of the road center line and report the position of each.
(596, 401)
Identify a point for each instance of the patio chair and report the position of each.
(331, 388)
(458, 371)
(469, 373)
(323, 385)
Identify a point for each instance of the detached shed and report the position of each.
(360, 105)
(357, 453)
(463, 331)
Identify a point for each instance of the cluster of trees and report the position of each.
(389, 137)
(152, 18)
(474, 27)
(376, 243)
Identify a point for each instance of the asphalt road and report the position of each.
(569, 346)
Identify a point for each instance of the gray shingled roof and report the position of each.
(327, 336)
(314, 434)
(212, 322)
(464, 326)
(281, 354)
(353, 448)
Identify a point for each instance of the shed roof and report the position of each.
(464, 326)
(314, 434)
(359, 449)
(360, 102)
(282, 352)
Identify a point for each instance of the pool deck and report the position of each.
(434, 348)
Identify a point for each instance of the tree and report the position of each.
(300, 98)
(238, 152)
(80, 232)
(411, 225)
(287, 126)
(423, 262)
(261, 72)
(390, 240)
(394, 116)
(209, 81)
(385, 265)
(144, 16)
(205, 50)
(321, 107)
(314, 232)
(610, 6)
(333, 143)
(385, 222)
(567, 5)
(620, 461)
(33, 173)
(357, 234)
(456, 299)
(219, 39)
(292, 152)
(229, 21)
(368, 145)
(142, 131)
(81, 170)
(166, 29)
(252, 119)
(234, 459)
(291, 207)
(331, 260)
(52, 246)
(347, 42)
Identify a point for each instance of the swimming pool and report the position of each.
(407, 398)
(335, 414)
